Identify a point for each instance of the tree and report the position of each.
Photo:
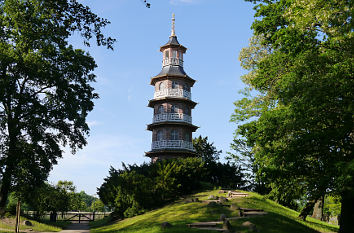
(135, 189)
(297, 115)
(227, 175)
(205, 150)
(45, 91)
(47, 197)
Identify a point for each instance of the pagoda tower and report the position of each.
(172, 126)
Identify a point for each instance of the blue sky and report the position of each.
(214, 33)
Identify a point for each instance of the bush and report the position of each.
(136, 189)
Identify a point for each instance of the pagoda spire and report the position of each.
(173, 25)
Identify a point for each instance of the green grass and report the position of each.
(278, 220)
(37, 226)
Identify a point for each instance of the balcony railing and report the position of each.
(172, 144)
(180, 117)
(172, 93)
(172, 61)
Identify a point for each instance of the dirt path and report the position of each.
(75, 228)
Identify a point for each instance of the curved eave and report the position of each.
(176, 99)
(171, 152)
(171, 123)
(166, 76)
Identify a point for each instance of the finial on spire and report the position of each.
(173, 25)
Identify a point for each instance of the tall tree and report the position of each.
(206, 150)
(45, 86)
(297, 115)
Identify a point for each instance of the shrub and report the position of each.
(136, 189)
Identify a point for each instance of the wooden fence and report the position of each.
(72, 216)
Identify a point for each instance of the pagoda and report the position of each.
(172, 126)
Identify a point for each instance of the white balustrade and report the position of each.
(180, 117)
(172, 61)
(169, 92)
(172, 144)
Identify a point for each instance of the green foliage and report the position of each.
(48, 198)
(332, 206)
(297, 115)
(98, 206)
(205, 150)
(226, 175)
(55, 198)
(45, 87)
(135, 189)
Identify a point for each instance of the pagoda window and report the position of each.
(187, 137)
(174, 53)
(174, 134)
(186, 87)
(160, 109)
(187, 111)
(180, 55)
(159, 135)
(174, 84)
(161, 86)
(167, 54)
(174, 109)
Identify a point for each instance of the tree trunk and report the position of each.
(318, 209)
(4, 190)
(346, 220)
(307, 209)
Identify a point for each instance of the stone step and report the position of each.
(238, 194)
(253, 210)
(254, 213)
(204, 224)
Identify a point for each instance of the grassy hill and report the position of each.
(278, 220)
(8, 225)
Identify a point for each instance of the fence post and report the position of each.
(79, 217)
(93, 217)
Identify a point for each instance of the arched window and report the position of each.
(160, 109)
(174, 84)
(174, 109)
(174, 134)
(159, 135)
(161, 86)
(180, 55)
(167, 54)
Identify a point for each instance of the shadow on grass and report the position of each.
(275, 223)
(329, 227)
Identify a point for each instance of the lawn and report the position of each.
(278, 220)
(8, 225)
